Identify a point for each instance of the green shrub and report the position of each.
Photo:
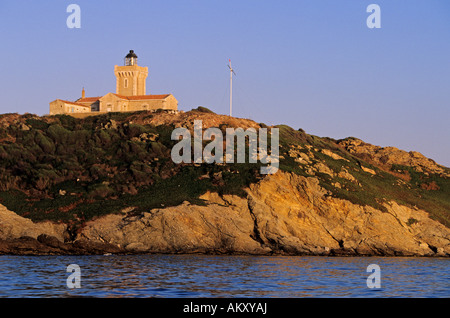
(36, 124)
(58, 134)
(135, 130)
(99, 191)
(45, 143)
(202, 109)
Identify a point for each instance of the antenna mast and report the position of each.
(231, 87)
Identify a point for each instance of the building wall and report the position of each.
(113, 103)
(56, 107)
(95, 106)
(151, 104)
(61, 107)
(171, 103)
(130, 80)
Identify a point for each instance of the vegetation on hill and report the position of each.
(353, 178)
(72, 170)
(203, 110)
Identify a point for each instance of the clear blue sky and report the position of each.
(309, 64)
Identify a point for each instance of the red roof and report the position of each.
(88, 99)
(137, 97)
(72, 103)
(143, 97)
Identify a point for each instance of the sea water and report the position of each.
(192, 276)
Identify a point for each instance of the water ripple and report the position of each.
(221, 276)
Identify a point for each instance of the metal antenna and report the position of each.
(231, 87)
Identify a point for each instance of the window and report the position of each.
(125, 82)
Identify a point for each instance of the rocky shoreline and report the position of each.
(49, 245)
(284, 214)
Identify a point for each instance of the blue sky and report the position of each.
(308, 64)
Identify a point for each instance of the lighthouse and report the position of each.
(130, 78)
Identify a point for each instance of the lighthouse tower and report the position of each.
(130, 78)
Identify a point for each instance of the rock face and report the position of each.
(13, 226)
(214, 228)
(282, 214)
(20, 236)
(391, 155)
(186, 120)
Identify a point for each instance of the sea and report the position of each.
(199, 276)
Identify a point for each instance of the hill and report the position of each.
(105, 179)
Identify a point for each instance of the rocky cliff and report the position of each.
(282, 214)
(388, 156)
(106, 184)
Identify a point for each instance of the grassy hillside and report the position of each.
(402, 184)
(71, 170)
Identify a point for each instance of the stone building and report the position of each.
(130, 94)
